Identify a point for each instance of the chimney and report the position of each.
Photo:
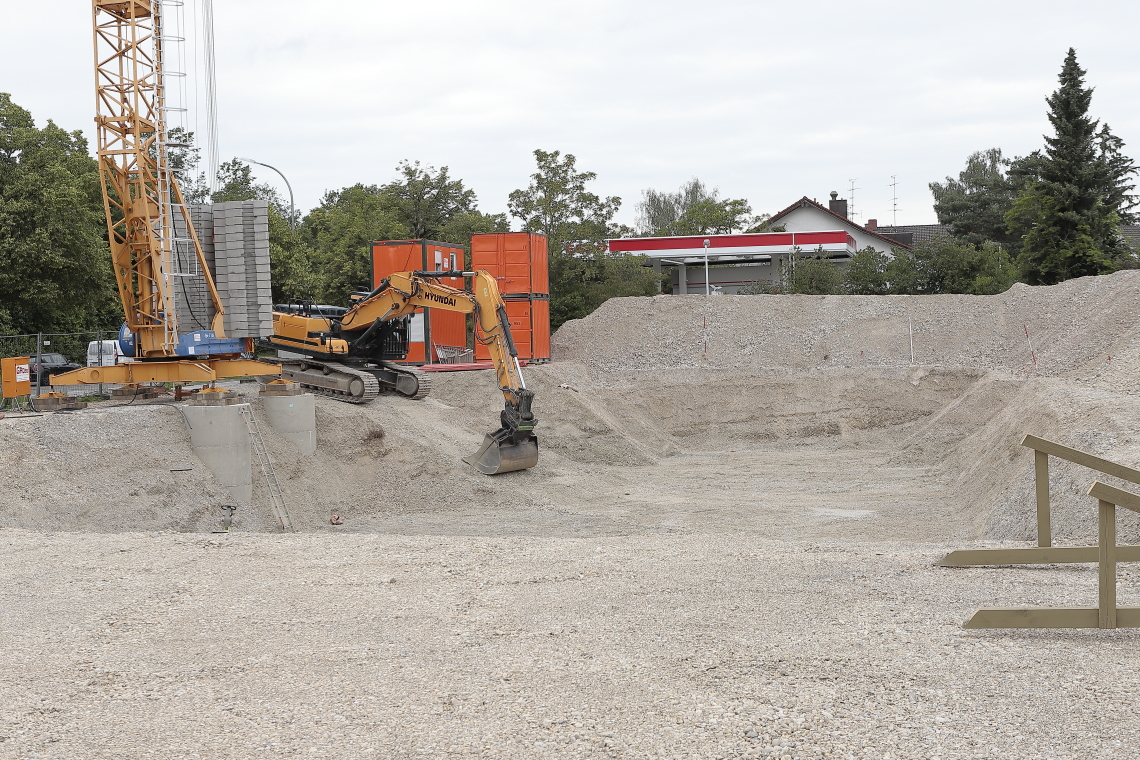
(838, 206)
(872, 225)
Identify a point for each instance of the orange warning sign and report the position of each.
(15, 377)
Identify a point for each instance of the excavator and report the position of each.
(347, 353)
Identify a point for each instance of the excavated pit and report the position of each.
(781, 417)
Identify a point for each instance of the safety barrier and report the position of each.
(1045, 552)
(1106, 614)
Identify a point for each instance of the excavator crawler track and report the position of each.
(422, 380)
(333, 380)
(355, 385)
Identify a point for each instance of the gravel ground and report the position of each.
(125, 646)
(726, 550)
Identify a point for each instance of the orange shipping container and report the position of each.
(437, 327)
(530, 329)
(517, 260)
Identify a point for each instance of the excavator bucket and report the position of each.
(499, 454)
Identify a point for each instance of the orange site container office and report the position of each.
(430, 327)
(517, 260)
(530, 328)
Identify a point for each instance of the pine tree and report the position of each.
(1070, 215)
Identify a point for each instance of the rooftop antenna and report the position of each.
(851, 201)
(894, 200)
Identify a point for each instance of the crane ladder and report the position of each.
(261, 453)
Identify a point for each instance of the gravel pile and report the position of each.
(723, 552)
(1074, 328)
(247, 646)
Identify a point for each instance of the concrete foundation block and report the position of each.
(220, 439)
(295, 418)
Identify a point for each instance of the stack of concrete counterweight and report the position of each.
(235, 242)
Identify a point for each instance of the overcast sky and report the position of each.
(768, 101)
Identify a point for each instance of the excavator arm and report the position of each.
(514, 445)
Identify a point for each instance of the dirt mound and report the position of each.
(1073, 327)
(804, 418)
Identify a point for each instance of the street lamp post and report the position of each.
(292, 210)
(706, 266)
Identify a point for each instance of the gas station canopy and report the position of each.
(746, 247)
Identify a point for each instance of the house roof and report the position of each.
(923, 233)
(807, 202)
(1131, 233)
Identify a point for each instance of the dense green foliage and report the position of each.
(949, 265)
(976, 203)
(327, 255)
(577, 223)
(1058, 211)
(812, 274)
(1072, 211)
(55, 270)
(692, 210)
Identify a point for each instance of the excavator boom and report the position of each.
(514, 446)
(348, 349)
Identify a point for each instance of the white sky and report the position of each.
(768, 101)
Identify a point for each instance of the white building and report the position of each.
(805, 215)
(726, 263)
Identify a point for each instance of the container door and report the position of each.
(540, 266)
(515, 264)
(540, 326)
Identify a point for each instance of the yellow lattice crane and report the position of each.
(141, 198)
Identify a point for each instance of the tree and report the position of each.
(1070, 214)
(577, 223)
(183, 157)
(957, 266)
(557, 204)
(975, 204)
(425, 200)
(692, 210)
(236, 183)
(339, 233)
(55, 265)
(866, 273)
(812, 274)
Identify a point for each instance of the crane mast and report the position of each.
(140, 193)
(140, 198)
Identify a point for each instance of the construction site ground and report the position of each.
(726, 550)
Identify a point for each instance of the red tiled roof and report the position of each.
(806, 201)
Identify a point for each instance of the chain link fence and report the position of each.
(73, 347)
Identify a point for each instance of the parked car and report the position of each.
(105, 355)
(46, 365)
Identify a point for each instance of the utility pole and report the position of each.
(894, 200)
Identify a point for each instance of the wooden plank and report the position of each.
(1082, 458)
(1035, 556)
(1041, 480)
(1106, 525)
(1035, 617)
(1118, 497)
(1049, 617)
